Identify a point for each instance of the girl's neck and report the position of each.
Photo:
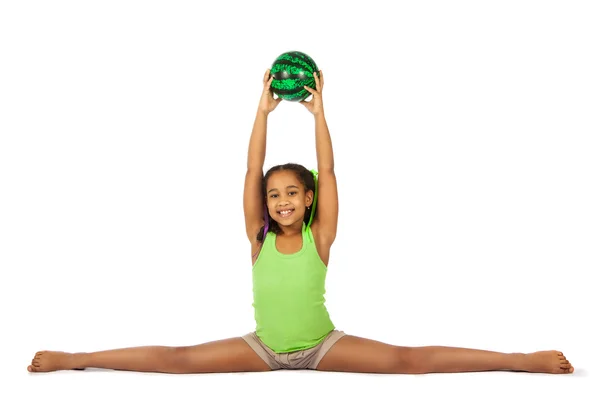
(292, 230)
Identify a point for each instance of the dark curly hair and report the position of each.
(307, 179)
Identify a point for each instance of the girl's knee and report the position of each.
(410, 360)
(177, 359)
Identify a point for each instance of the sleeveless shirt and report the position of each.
(289, 296)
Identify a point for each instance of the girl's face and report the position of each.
(286, 198)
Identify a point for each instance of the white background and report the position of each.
(466, 150)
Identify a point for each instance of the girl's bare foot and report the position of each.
(46, 361)
(550, 362)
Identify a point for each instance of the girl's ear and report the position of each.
(309, 197)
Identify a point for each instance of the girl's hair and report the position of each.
(307, 179)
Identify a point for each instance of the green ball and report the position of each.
(291, 72)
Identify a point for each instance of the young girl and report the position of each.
(291, 220)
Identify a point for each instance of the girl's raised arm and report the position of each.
(327, 202)
(253, 196)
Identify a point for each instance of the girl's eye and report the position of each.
(289, 193)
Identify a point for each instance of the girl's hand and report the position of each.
(267, 100)
(315, 105)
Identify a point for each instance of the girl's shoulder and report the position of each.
(256, 244)
(316, 232)
(323, 248)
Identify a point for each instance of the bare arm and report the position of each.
(253, 201)
(327, 200)
(253, 197)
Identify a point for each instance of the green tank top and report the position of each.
(289, 290)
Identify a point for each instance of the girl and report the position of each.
(291, 220)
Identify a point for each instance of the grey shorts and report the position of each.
(302, 359)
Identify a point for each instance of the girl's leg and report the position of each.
(227, 355)
(355, 354)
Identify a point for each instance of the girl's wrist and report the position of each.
(319, 114)
(262, 112)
